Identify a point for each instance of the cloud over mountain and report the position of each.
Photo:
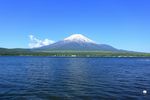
(35, 42)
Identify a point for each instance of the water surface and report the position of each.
(56, 78)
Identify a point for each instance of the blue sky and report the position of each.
(124, 24)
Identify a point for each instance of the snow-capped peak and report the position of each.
(78, 38)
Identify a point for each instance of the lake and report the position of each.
(62, 78)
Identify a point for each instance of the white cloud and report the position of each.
(35, 43)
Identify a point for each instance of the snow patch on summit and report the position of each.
(78, 38)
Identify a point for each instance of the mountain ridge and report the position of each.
(78, 42)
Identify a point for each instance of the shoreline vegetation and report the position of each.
(29, 52)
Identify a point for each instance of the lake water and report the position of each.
(56, 78)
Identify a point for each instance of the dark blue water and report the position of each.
(46, 78)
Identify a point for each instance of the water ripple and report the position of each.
(46, 78)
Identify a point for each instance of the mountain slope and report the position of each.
(77, 42)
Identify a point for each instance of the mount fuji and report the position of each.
(77, 42)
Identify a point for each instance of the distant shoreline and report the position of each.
(77, 56)
(28, 52)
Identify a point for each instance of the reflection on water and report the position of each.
(45, 78)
